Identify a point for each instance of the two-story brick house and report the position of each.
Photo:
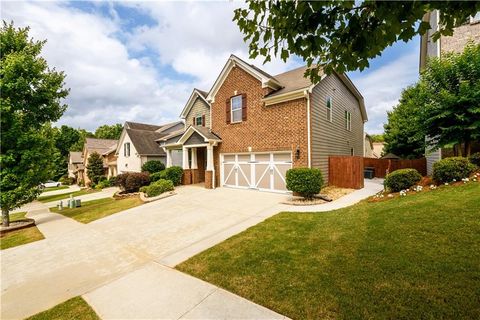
(251, 127)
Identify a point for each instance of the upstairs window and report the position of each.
(236, 105)
(329, 109)
(126, 149)
(198, 121)
(348, 120)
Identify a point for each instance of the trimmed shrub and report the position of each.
(158, 175)
(103, 184)
(132, 181)
(113, 181)
(475, 159)
(158, 187)
(153, 166)
(305, 181)
(66, 180)
(174, 174)
(402, 179)
(449, 169)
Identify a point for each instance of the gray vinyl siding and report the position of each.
(432, 157)
(174, 128)
(331, 138)
(199, 108)
(195, 138)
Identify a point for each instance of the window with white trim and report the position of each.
(126, 149)
(236, 107)
(329, 108)
(198, 121)
(348, 120)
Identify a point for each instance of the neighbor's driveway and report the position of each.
(121, 263)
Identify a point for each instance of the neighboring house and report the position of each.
(251, 127)
(368, 144)
(75, 164)
(455, 43)
(137, 145)
(378, 149)
(102, 146)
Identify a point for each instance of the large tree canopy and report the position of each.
(109, 132)
(340, 35)
(31, 98)
(404, 132)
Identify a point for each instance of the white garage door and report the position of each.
(260, 171)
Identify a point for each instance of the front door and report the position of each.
(201, 163)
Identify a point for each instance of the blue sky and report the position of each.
(139, 61)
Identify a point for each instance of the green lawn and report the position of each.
(97, 209)
(65, 195)
(19, 237)
(416, 257)
(73, 309)
(54, 188)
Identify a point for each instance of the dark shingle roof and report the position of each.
(292, 80)
(204, 131)
(141, 126)
(144, 141)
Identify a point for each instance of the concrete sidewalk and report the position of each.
(71, 188)
(105, 193)
(158, 292)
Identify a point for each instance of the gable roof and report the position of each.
(204, 132)
(293, 80)
(166, 127)
(196, 93)
(99, 145)
(144, 141)
(141, 126)
(76, 156)
(234, 61)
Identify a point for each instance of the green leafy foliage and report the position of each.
(109, 132)
(95, 170)
(31, 98)
(66, 180)
(153, 166)
(449, 169)
(402, 179)
(158, 187)
(132, 181)
(174, 174)
(340, 35)
(452, 87)
(305, 181)
(404, 131)
(475, 159)
(104, 183)
(158, 175)
(377, 137)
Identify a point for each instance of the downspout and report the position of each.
(309, 152)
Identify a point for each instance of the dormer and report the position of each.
(197, 110)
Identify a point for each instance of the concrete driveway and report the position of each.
(121, 264)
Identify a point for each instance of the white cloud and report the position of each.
(381, 88)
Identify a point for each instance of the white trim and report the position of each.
(288, 96)
(193, 96)
(330, 98)
(309, 147)
(190, 131)
(233, 62)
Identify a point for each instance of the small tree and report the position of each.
(31, 95)
(95, 169)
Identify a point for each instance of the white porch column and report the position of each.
(169, 158)
(210, 158)
(194, 158)
(185, 164)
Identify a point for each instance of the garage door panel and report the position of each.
(263, 171)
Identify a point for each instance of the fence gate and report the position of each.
(345, 171)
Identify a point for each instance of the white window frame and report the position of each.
(329, 107)
(238, 109)
(196, 120)
(126, 149)
(348, 120)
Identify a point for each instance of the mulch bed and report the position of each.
(328, 194)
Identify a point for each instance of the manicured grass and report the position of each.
(73, 309)
(416, 257)
(97, 209)
(19, 237)
(55, 188)
(56, 197)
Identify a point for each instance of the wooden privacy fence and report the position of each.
(345, 171)
(383, 166)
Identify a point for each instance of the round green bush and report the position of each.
(402, 179)
(174, 174)
(305, 181)
(158, 175)
(475, 159)
(132, 181)
(153, 166)
(158, 187)
(449, 169)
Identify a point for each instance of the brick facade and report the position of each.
(280, 127)
(460, 37)
(208, 179)
(187, 176)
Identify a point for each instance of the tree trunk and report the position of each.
(5, 218)
(468, 148)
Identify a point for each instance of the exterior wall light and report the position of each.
(297, 153)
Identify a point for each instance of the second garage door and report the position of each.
(260, 171)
